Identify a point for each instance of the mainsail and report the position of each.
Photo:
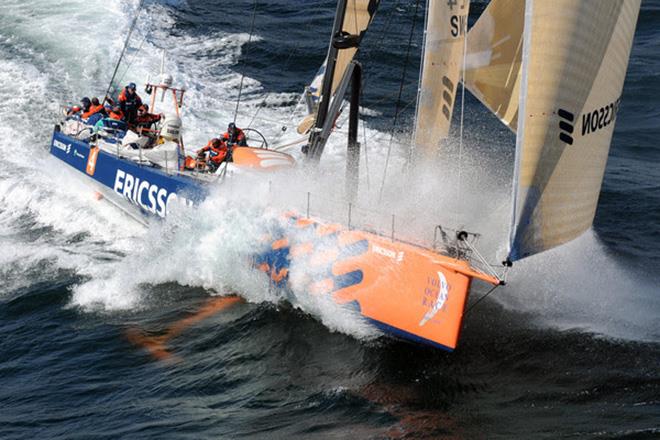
(359, 14)
(575, 59)
(446, 25)
(494, 58)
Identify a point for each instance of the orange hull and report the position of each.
(408, 291)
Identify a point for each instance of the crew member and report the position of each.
(116, 113)
(217, 153)
(86, 104)
(130, 102)
(146, 119)
(234, 136)
(93, 108)
(73, 111)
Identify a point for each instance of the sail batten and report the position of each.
(574, 62)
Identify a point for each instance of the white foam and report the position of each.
(581, 285)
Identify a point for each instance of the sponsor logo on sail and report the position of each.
(566, 126)
(457, 23)
(592, 121)
(600, 118)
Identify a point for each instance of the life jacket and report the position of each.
(94, 109)
(135, 99)
(239, 137)
(119, 115)
(217, 155)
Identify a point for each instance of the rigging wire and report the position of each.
(398, 101)
(365, 81)
(130, 64)
(364, 136)
(240, 88)
(487, 266)
(292, 53)
(467, 312)
(382, 41)
(123, 51)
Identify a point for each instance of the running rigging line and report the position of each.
(292, 53)
(123, 51)
(398, 101)
(130, 64)
(240, 88)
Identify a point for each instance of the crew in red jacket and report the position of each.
(234, 136)
(146, 119)
(217, 153)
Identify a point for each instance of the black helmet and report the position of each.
(132, 86)
(231, 126)
(85, 101)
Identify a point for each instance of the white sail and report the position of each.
(574, 64)
(494, 58)
(444, 41)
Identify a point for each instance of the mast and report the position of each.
(353, 152)
(326, 94)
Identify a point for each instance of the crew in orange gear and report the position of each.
(93, 108)
(116, 113)
(217, 153)
(129, 102)
(234, 136)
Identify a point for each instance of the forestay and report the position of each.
(574, 63)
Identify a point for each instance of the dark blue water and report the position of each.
(69, 368)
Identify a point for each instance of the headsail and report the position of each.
(446, 24)
(494, 58)
(359, 14)
(574, 64)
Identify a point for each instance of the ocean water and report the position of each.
(110, 329)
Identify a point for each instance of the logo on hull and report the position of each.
(144, 194)
(62, 146)
(440, 301)
(91, 162)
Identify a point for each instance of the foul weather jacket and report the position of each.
(129, 105)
